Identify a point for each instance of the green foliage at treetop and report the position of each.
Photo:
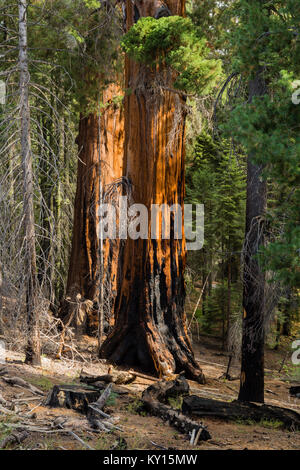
(174, 42)
(79, 40)
(267, 39)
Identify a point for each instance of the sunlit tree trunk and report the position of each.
(150, 329)
(100, 162)
(33, 343)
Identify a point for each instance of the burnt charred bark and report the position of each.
(150, 329)
(155, 400)
(252, 367)
(235, 410)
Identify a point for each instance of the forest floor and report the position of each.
(139, 430)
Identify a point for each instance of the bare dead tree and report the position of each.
(33, 349)
(37, 142)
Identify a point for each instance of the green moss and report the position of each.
(136, 407)
(265, 423)
(176, 402)
(44, 383)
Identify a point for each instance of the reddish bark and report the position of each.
(150, 329)
(93, 167)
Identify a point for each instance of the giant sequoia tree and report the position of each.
(100, 163)
(92, 270)
(150, 328)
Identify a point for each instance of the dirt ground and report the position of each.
(138, 429)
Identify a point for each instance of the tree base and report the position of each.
(32, 358)
(160, 355)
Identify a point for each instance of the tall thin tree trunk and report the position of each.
(252, 368)
(150, 328)
(228, 303)
(33, 344)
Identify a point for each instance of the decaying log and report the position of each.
(164, 389)
(18, 382)
(76, 397)
(14, 438)
(88, 379)
(100, 412)
(155, 398)
(26, 399)
(115, 388)
(85, 444)
(95, 409)
(104, 397)
(124, 378)
(235, 410)
(100, 381)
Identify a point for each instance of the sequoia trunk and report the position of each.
(100, 163)
(150, 329)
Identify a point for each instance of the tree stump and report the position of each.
(76, 397)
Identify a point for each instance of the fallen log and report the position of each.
(26, 399)
(95, 409)
(18, 382)
(103, 397)
(123, 378)
(85, 444)
(155, 398)
(235, 410)
(14, 438)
